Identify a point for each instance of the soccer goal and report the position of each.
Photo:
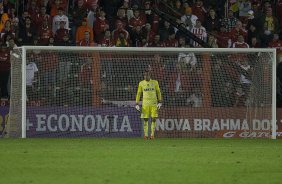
(90, 92)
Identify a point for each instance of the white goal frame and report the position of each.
(24, 50)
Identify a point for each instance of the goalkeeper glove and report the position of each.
(137, 107)
(159, 106)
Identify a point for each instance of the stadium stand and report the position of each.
(139, 23)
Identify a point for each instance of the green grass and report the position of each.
(122, 161)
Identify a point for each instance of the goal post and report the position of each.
(90, 92)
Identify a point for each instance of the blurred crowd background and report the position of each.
(139, 23)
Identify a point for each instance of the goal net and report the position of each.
(90, 92)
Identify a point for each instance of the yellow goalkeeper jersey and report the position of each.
(151, 92)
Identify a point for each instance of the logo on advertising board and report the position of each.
(126, 122)
(218, 122)
(83, 122)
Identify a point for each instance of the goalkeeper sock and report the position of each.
(153, 125)
(146, 128)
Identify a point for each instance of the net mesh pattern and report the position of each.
(92, 94)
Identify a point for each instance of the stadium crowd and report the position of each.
(133, 23)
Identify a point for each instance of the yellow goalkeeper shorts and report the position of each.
(149, 111)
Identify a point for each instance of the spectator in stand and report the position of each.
(211, 22)
(8, 29)
(144, 42)
(100, 26)
(27, 32)
(2, 8)
(45, 3)
(119, 29)
(51, 41)
(110, 7)
(138, 3)
(136, 36)
(60, 17)
(89, 3)
(65, 41)
(107, 40)
(244, 7)
(149, 34)
(187, 59)
(171, 41)
(64, 3)
(35, 40)
(245, 73)
(137, 20)
(81, 30)
(4, 18)
(240, 97)
(229, 22)
(10, 41)
(270, 25)
(165, 30)
(61, 32)
(56, 5)
(149, 14)
(31, 78)
(86, 41)
(44, 33)
(180, 33)
(217, 5)
(178, 85)
(252, 20)
(6, 38)
(255, 43)
(48, 64)
(181, 42)
(13, 16)
(126, 7)
(157, 70)
(178, 8)
(79, 12)
(4, 71)
(188, 18)
(92, 13)
(219, 76)
(22, 18)
(121, 41)
(185, 4)
(212, 41)
(229, 96)
(276, 42)
(40, 17)
(199, 10)
(85, 75)
(252, 32)
(256, 7)
(266, 5)
(156, 42)
(16, 28)
(195, 98)
(199, 31)
(240, 43)
(222, 37)
(121, 17)
(278, 9)
(155, 23)
(8, 4)
(33, 10)
(238, 30)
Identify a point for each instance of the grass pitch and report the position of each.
(122, 161)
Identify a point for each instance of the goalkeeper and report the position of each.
(151, 102)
